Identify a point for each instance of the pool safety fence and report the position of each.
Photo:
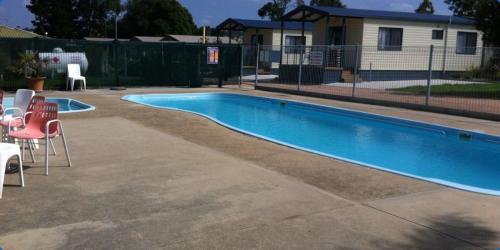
(121, 63)
(453, 80)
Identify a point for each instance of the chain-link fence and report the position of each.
(452, 80)
(121, 63)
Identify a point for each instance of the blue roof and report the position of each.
(243, 24)
(380, 14)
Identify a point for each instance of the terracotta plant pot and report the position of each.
(36, 83)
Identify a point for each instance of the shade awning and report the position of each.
(231, 24)
(243, 24)
(305, 13)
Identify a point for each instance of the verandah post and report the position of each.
(429, 76)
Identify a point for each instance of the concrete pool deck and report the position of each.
(145, 178)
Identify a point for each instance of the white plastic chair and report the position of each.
(74, 75)
(21, 102)
(8, 151)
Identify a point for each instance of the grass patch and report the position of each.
(486, 90)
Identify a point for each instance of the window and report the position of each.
(291, 43)
(257, 39)
(466, 43)
(437, 35)
(390, 38)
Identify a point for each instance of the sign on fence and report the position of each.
(212, 55)
(316, 58)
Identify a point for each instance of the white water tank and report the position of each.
(58, 60)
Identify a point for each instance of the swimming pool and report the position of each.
(453, 157)
(66, 105)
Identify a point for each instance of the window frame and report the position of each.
(435, 32)
(470, 37)
(292, 48)
(390, 46)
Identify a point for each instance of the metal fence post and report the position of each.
(355, 71)
(370, 78)
(115, 61)
(429, 76)
(482, 56)
(257, 65)
(241, 65)
(301, 61)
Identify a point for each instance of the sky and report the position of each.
(212, 12)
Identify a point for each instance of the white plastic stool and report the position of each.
(8, 150)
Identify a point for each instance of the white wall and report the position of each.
(417, 38)
(272, 40)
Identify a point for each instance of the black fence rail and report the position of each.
(120, 63)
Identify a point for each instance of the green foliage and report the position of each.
(486, 12)
(426, 7)
(28, 65)
(274, 10)
(72, 18)
(95, 16)
(56, 17)
(156, 18)
(329, 3)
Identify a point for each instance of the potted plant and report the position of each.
(30, 66)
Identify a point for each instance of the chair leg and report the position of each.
(84, 85)
(4, 137)
(21, 174)
(72, 84)
(52, 146)
(22, 149)
(65, 145)
(31, 145)
(47, 155)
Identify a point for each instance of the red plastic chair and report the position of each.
(17, 122)
(43, 124)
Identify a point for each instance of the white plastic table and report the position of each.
(7, 151)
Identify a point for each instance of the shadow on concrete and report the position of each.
(452, 231)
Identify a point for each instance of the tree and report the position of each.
(274, 10)
(426, 7)
(485, 12)
(328, 3)
(156, 18)
(56, 17)
(71, 18)
(93, 15)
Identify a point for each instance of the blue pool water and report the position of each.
(66, 105)
(457, 158)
